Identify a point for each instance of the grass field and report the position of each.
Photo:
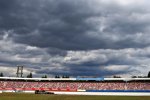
(18, 96)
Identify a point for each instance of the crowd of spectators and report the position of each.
(77, 85)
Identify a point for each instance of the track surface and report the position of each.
(21, 96)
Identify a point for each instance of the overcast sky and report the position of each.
(75, 37)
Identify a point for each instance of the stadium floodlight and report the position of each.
(19, 71)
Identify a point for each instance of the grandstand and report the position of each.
(13, 84)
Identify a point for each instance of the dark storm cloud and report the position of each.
(55, 52)
(75, 37)
(81, 70)
(59, 26)
(73, 25)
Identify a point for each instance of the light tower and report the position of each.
(19, 71)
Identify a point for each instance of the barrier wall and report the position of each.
(71, 90)
(104, 93)
(144, 91)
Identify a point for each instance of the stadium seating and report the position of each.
(75, 85)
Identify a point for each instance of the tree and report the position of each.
(134, 76)
(117, 76)
(1, 75)
(45, 76)
(29, 76)
(65, 76)
(57, 76)
(149, 74)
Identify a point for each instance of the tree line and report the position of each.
(66, 76)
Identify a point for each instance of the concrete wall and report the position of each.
(89, 93)
(103, 93)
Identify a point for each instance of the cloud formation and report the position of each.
(76, 37)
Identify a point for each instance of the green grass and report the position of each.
(21, 96)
